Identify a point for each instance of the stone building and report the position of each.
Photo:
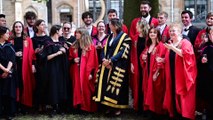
(58, 11)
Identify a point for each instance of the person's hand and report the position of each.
(169, 45)
(33, 69)
(109, 66)
(77, 60)
(132, 68)
(144, 57)
(155, 76)
(105, 62)
(159, 59)
(4, 75)
(63, 49)
(90, 77)
(19, 54)
(59, 52)
(204, 60)
(98, 46)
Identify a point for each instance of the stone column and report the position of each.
(18, 11)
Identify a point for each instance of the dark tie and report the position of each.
(186, 29)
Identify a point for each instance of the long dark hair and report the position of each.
(116, 23)
(149, 41)
(23, 34)
(37, 23)
(54, 29)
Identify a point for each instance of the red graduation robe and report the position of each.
(198, 42)
(83, 88)
(27, 74)
(134, 77)
(185, 81)
(133, 31)
(165, 35)
(155, 90)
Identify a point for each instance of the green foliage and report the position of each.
(132, 10)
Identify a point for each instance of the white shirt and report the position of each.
(185, 29)
(31, 32)
(146, 18)
(111, 41)
(161, 28)
(89, 29)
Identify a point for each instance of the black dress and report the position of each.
(39, 42)
(56, 74)
(8, 84)
(18, 46)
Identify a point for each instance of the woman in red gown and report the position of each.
(83, 68)
(181, 72)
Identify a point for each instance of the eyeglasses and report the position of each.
(66, 28)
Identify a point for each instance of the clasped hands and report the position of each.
(107, 63)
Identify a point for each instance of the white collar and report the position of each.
(146, 18)
(187, 27)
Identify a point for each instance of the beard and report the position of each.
(144, 14)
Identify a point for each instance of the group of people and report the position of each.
(167, 67)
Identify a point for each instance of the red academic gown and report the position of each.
(165, 35)
(185, 81)
(83, 88)
(155, 90)
(27, 74)
(134, 77)
(94, 31)
(198, 39)
(133, 30)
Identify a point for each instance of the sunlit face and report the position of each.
(88, 20)
(111, 15)
(78, 36)
(5, 36)
(41, 27)
(18, 28)
(145, 9)
(31, 21)
(2, 21)
(209, 21)
(174, 32)
(186, 20)
(66, 28)
(153, 34)
(161, 19)
(101, 27)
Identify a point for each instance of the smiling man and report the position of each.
(145, 8)
(189, 30)
(87, 18)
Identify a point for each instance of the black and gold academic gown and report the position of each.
(113, 84)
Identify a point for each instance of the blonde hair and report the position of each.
(85, 41)
(144, 26)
